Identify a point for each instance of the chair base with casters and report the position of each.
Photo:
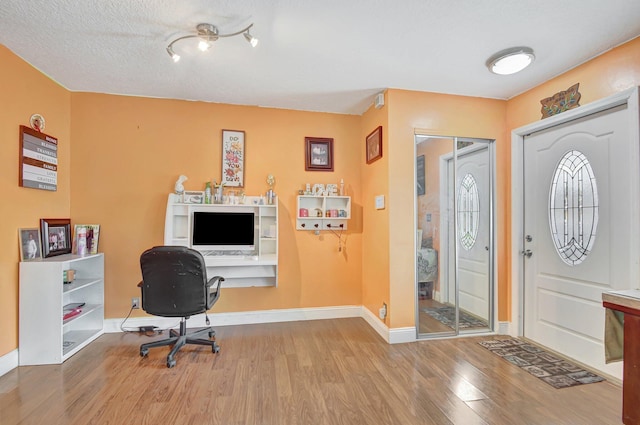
(180, 339)
(174, 284)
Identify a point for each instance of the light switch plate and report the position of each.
(380, 202)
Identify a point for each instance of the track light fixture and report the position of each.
(208, 33)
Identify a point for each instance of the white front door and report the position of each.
(577, 219)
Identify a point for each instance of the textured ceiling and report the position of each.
(331, 55)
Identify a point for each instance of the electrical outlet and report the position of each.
(135, 302)
(382, 313)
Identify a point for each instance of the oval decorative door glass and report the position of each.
(468, 211)
(573, 208)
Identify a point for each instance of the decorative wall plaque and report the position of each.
(561, 101)
(38, 160)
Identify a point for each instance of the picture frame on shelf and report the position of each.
(318, 154)
(56, 236)
(233, 151)
(193, 197)
(30, 244)
(85, 239)
(374, 145)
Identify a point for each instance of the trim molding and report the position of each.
(504, 328)
(237, 318)
(391, 336)
(8, 362)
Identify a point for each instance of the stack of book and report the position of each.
(71, 310)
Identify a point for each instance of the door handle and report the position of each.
(527, 253)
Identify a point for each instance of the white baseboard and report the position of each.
(239, 318)
(9, 362)
(392, 336)
(504, 328)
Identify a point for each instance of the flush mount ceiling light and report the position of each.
(207, 34)
(511, 60)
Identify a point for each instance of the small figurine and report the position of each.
(179, 187)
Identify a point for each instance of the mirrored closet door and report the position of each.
(454, 235)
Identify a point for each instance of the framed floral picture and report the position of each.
(318, 154)
(233, 158)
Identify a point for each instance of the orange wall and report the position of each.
(444, 115)
(23, 92)
(375, 236)
(128, 152)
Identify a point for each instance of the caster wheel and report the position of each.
(144, 352)
(171, 363)
(215, 348)
(212, 334)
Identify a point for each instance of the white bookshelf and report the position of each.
(44, 337)
(240, 270)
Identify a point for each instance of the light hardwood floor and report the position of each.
(316, 372)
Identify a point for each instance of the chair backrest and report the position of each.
(174, 281)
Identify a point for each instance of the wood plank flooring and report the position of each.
(333, 372)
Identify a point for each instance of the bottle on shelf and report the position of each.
(207, 193)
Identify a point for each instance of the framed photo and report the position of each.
(193, 197)
(85, 239)
(318, 154)
(374, 145)
(30, 248)
(420, 176)
(56, 236)
(233, 158)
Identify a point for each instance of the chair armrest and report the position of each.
(216, 294)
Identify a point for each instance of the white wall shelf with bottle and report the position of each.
(323, 212)
(44, 337)
(241, 267)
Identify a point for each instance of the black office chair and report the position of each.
(174, 284)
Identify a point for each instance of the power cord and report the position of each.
(146, 330)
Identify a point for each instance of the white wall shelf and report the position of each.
(239, 269)
(45, 338)
(319, 209)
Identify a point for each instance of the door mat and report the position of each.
(447, 316)
(553, 370)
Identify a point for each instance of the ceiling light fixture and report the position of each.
(511, 60)
(208, 33)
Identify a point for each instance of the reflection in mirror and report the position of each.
(454, 238)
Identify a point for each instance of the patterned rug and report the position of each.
(553, 370)
(447, 316)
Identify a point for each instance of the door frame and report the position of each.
(628, 97)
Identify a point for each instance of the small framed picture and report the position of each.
(374, 145)
(85, 239)
(194, 197)
(318, 154)
(56, 236)
(30, 248)
(233, 158)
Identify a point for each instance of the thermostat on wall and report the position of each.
(380, 202)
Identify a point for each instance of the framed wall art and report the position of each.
(56, 236)
(30, 247)
(318, 154)
(233, 158)
(374, 145)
